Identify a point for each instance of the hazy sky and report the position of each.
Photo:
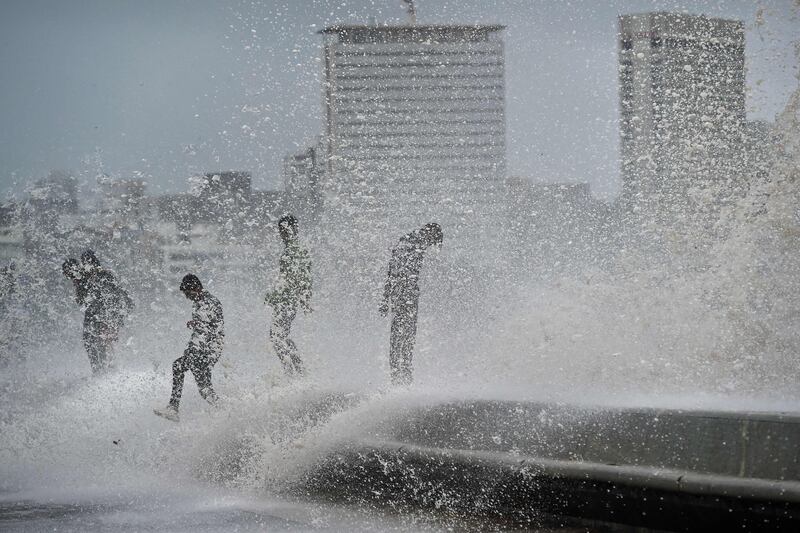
(166, 88)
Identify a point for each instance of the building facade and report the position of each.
(415, 125)
(682, 112)
(302, 177)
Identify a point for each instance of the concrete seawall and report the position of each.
(662, 469)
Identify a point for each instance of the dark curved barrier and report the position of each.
(661, 469)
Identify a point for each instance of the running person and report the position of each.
(205, 346)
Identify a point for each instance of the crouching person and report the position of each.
(205, 346)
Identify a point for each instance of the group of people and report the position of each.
(107, 304)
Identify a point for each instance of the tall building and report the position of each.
(57, 193)
(302, 174)
(415, 125)
(124, 200)
(682, 103)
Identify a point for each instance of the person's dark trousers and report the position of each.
(401, 343)
(282, 319)
(98, 336)
(199, 364)
(96, 349)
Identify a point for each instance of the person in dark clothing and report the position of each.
(293, 291)
(106, 304)
(205, 346)
(401, 297)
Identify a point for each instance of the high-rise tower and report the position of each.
(415, 124)
(682, 103)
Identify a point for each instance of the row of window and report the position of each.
(415, 122)
(445, 169)
(626, 45)
(421, 52)
(434, 133)
(417, 99)
(415, 112)
(420, 76)
(405, 145)
(427, 88)
(413, 65)
(406, 158)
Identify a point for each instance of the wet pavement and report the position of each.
(226, 512)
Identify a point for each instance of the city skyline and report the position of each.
(247, 94)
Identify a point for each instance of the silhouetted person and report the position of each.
(401, 297)
(293, 291)
(205, 346)
(105, 302)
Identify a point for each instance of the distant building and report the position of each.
(11, 238)
(221, 194)
(224, 185)
(302, 177)
(124, 200)
(222, 226)
(7, 214)
(57, 193)
(759, 142)
(225, 200)
(682, 111)
(178, 209)
(415, 125)
(266, 207)
(761, 146)
(555, 225)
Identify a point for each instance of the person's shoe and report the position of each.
(169, 412)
